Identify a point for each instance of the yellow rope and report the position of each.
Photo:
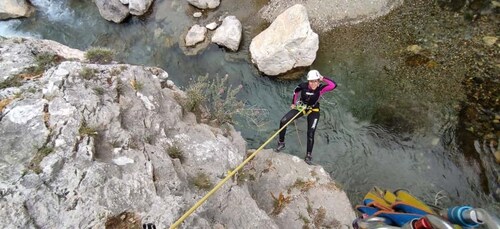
(202, 200)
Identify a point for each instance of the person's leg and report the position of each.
(312, 124)
(286, 118)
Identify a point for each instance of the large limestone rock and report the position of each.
(312, 195)
(205, 4)
(195, 35)
(112, 10)
(15, 9)
(85, 144)
(229, 33)
(289, 42)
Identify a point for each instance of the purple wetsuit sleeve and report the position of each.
(296, 94)
(330, 85)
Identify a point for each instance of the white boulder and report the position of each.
(205, 4)
(289, 42)
(229, 33)
(15, 9)
(196, 34)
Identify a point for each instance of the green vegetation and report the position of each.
(319, 218)
(137, 85)
(43, 61)
(13, 81)
(86, 130)
(99, 90)
(175, 151)
(303, 186)
(88, 73)
(42, 152)
(202, 181)
(99, 55)
(280, 203)
(115, 72)
(304, 219)
(216, 97)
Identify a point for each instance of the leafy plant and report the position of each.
(218, 99)
(99, 55)
(196, 94)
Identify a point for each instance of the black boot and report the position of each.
(308, 158)
(281, 145)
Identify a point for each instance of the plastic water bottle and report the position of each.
(465, 216)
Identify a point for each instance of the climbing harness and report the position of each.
(306, 110)
(231, 173)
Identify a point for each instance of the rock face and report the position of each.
(289, 42)
(94, 146)
(310, 194)
(15, 9)
(229, 33)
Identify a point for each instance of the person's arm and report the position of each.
(295, 97)
(330, 85)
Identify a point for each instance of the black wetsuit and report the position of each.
(310, 98)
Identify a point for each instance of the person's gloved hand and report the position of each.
(293, 106)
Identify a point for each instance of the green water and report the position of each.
(371, 132)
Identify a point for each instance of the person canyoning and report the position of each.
(308, 104)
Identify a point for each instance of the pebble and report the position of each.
(197, 14)
(211, 26)
(414, 49)
(490, 40)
